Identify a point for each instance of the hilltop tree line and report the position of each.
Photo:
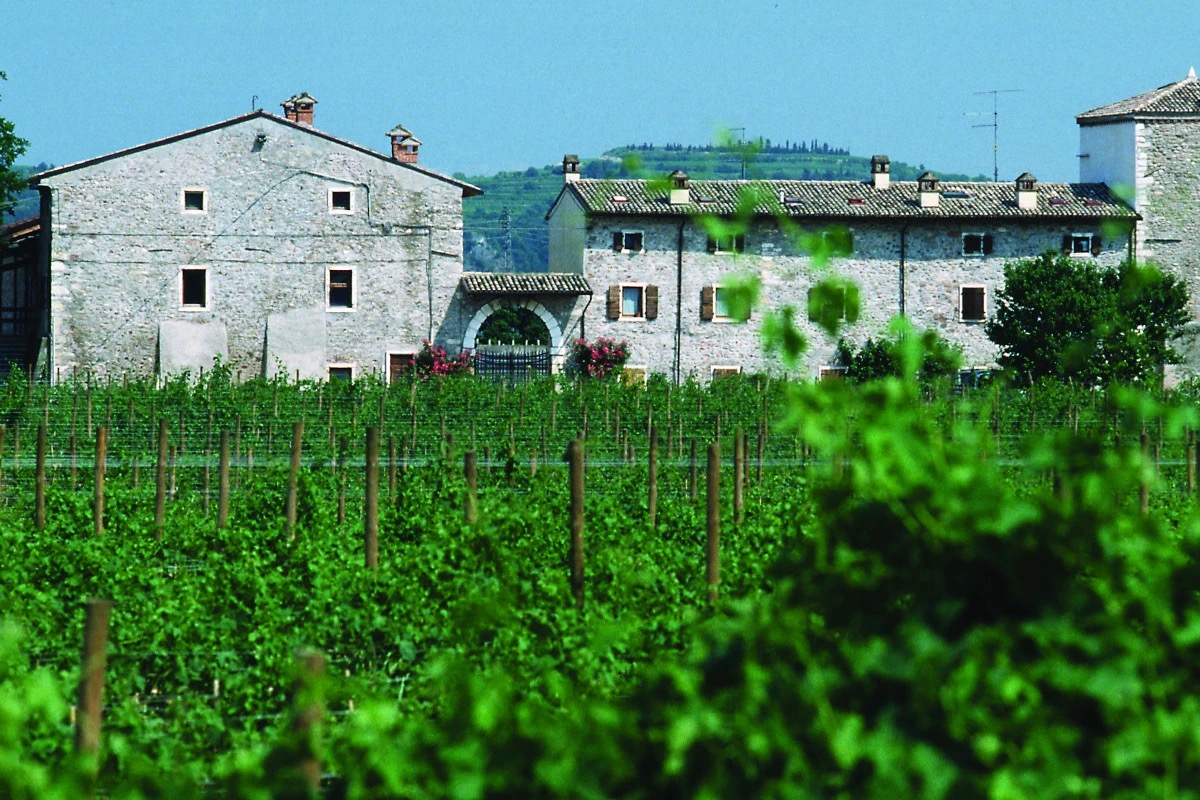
(760, 145)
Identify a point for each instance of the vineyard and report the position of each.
(446, 588)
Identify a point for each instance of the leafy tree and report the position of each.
(1067, 318)
(11, 148)
(883, 358)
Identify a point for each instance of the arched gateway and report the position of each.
(550, 355)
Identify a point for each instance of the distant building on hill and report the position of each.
(933, 252)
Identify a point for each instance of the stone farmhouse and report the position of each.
(931, 251)
(271, 246)
(259, 241)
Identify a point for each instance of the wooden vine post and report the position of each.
(98, 492)
(575, 470)
(371, 500)
(712, 561)
(39, 491)
(739, 473)
(1144, 491)
(293, 479)
(471, 500)
(223, 481)
(160, 480)
(309, 707)
(91, 684)
(652, 487)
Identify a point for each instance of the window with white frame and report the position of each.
(733, 243)
(341, 201)
(629, 241)
(193, 288)
(972, 304)
(632, 301)
(1081, 244)
(341, 372)
(194, 201)
(977, 244)
(340, 289)
(724, 371)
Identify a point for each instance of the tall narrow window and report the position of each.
(193, 287)
(341, 289)
(973, 309)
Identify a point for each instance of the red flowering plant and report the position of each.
(602, 358)
(434, 360)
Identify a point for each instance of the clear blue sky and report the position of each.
(491, 86)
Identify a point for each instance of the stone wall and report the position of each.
(267, 237)
(928, 288)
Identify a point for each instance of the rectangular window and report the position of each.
(400, 365)
(972, 304)
(341, 372)
(727, 244)
(831, 296)
(340, 289)
(341, 201)
(832, 373)
(724, 371)
(976, 244)
(633, 301)
(193, 287)
(195, 201)
(1081, 244)
(628, 241)
(634, 375)
(721, 310)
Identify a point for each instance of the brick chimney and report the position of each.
(1027, 192)
(927, 190)
(680, 188)
(570, 168)
(881, 172)
(299, 108)
(404, 145)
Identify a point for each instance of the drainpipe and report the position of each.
(678, 299)
(903, 271)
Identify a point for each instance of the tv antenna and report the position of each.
(994, 125)
(741, 143)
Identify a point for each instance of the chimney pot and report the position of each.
(299, 108)
(405, 146)
(927, 190)
(681, 193)
(1027, 192)
(881, 172)
(570, 166)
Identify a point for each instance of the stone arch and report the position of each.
(556, 334)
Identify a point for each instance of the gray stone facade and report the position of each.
(905, 260)
(293, 250)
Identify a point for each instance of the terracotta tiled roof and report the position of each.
(1178, 98)
(509, 283)
(849, 199)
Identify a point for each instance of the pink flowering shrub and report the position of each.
(599, 359)
(433, 360)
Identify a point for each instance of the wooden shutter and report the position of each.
(651, 302)
(706, 303)
(987, 244)
(1066, 245)
(1096, 244)
(618, 241)
(614, 302)
(712, 245)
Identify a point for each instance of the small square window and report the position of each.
(341, 372)
(633, 301)
(833, 296)
(341, 201)
(629, 241)
(1081, 244)
(341, 289)
(972, 304)
(195, 201)
(193, 287)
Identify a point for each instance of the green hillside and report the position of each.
(505, 229)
